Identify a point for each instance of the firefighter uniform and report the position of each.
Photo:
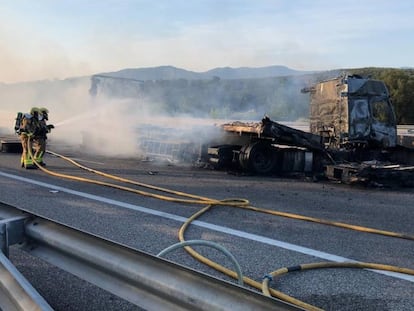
(28, 126)
(40, 136)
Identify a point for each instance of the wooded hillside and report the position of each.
(249, 98)
(244, 99)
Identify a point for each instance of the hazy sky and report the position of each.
(56, 39)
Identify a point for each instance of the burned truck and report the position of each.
(351, 121)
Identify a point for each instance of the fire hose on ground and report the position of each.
(187, 198)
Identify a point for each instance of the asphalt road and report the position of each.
(260, 242)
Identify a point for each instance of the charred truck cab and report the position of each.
(353, 112)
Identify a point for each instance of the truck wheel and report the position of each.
(258, 157)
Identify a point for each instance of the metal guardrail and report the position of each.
(16, 293)
(145, 280)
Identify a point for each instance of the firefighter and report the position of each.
(28, 126)
(40, 136)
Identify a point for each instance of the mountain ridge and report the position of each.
(169, 72)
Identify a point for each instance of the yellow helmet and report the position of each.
(34, 110)
(43, 110)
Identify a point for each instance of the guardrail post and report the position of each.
(11, 232)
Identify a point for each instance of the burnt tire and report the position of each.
(258, 157)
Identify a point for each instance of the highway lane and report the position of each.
(260, 242)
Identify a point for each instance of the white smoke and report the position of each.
(98, 125)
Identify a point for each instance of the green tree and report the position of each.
(401, 87)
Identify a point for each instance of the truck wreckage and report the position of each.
(352, 138)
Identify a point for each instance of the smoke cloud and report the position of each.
(99, 125)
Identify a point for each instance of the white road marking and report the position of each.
(87, 161)
(238, 233)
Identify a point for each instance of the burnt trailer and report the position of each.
(352, 121)
(265, 147)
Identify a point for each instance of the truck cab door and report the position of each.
(359, 119)
(383, 125)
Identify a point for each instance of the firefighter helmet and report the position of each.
(44, 113)
(34, 110)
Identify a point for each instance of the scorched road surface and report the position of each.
(260, 242)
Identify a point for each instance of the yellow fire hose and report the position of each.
(231, 273)
(328, 264)
(264, 286)
(320, 265)
(239, 203)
